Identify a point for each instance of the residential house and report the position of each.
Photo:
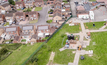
(43, 30)
(28, 31)
(17, 39)
(103, 2)
(66, 11)
(9, 16)
(6, 7)
(39, 3)
(57, 16)
(13, 31)
(19, 16)
(58, 5)
(19, 5)
(29, 4)
(50, 1)
(33, 15)
(81, 12)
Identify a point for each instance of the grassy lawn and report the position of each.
(92, 0)
(97, 25)
(23, 40)
(19, 56)
(38, 8)
(99, 50)
(7, 23)
(65, 1)
(50, 15)
(49, 21)
(18, 9)
(33, 21)
(54, 44)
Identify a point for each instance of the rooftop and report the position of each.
(45, 27)
(27, 28)
(11, 29)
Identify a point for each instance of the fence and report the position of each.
(41, 40)
(45, 42)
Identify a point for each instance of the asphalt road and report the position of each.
(43, 16)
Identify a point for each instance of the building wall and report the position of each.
(83, 16)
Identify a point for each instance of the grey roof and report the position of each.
(27, 27)
(43, 28)
(10, 29)
(87, 6)
(67, 5)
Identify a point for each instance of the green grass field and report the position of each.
(38, 8)
(54, 44)
(97, 25)
(99, 50)
(19, 56)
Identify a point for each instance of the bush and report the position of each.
(11, 46)
(49, 21)
(3, 51)
(34, 59)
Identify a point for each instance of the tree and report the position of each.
(3, 51)
(11, 2)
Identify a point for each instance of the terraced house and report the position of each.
(19, 5)
(28, 31)
(39, 3)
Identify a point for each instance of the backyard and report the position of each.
(54, 44)
(90, 26)
(99, 50)
(20, 55)
(38, 8)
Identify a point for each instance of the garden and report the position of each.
(99, 45)
(54, 44)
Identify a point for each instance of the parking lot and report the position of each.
(100, 14)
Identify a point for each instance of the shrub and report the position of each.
(49, 21)
(3, 51)
(63, 35)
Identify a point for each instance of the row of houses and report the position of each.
(28, 32)
(61, 11)
(18, 16)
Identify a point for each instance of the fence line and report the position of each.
(45, 42)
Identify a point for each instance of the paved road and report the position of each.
(43, 16)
